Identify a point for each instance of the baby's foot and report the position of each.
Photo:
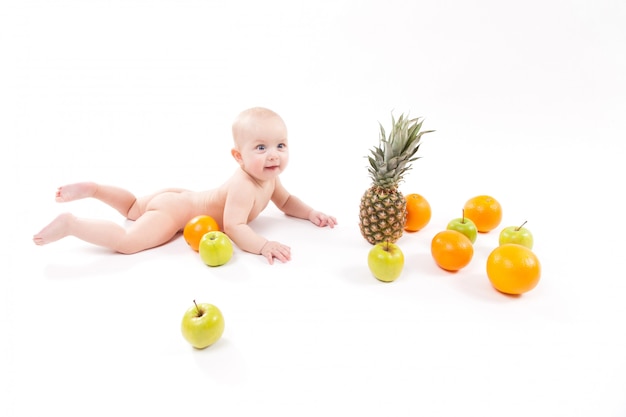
(75, 191)
(57, 229)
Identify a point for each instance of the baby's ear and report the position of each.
(236, 154)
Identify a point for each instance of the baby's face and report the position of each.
(263, 148)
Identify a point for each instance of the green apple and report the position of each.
(215, 248)
(386, 261)
(202, 325)
(517, 234)
(465, 226)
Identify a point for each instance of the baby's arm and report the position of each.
(293, 206)
(237, 209)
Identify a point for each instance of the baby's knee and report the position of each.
(133, 212)
(127, 250)
(130, 246)
(137, 241)
(136, 209)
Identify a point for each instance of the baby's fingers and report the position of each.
(276, 250)
(283, 253)
(329, 221)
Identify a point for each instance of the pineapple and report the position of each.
(382, 212)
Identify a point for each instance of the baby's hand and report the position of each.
(276, 250)
(320, 219)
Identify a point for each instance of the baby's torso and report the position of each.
(212, 202)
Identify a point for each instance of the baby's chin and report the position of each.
(271, 172)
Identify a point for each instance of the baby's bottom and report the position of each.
(158, 219)
(166, 199)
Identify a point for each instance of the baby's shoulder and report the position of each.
(242, 180)
(239, 181)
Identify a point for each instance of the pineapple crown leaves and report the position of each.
(392, 158)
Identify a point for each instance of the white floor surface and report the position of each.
(528, 103)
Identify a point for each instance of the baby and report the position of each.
(260, 149)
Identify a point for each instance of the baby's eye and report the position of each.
(260, 147)
(282, 145)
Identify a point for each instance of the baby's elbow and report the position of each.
(231, 229)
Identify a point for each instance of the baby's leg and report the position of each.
(153, 229)
(99, 232)
(76, 191)
(118, 198)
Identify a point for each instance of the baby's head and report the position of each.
(255, 123)
(260, 137)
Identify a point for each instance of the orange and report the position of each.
(198, 227)
(513, 269)
(417, 213)
(485, 211)
(451, 250)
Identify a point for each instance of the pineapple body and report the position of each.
(382, 214)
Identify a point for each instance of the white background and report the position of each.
(527, 100)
